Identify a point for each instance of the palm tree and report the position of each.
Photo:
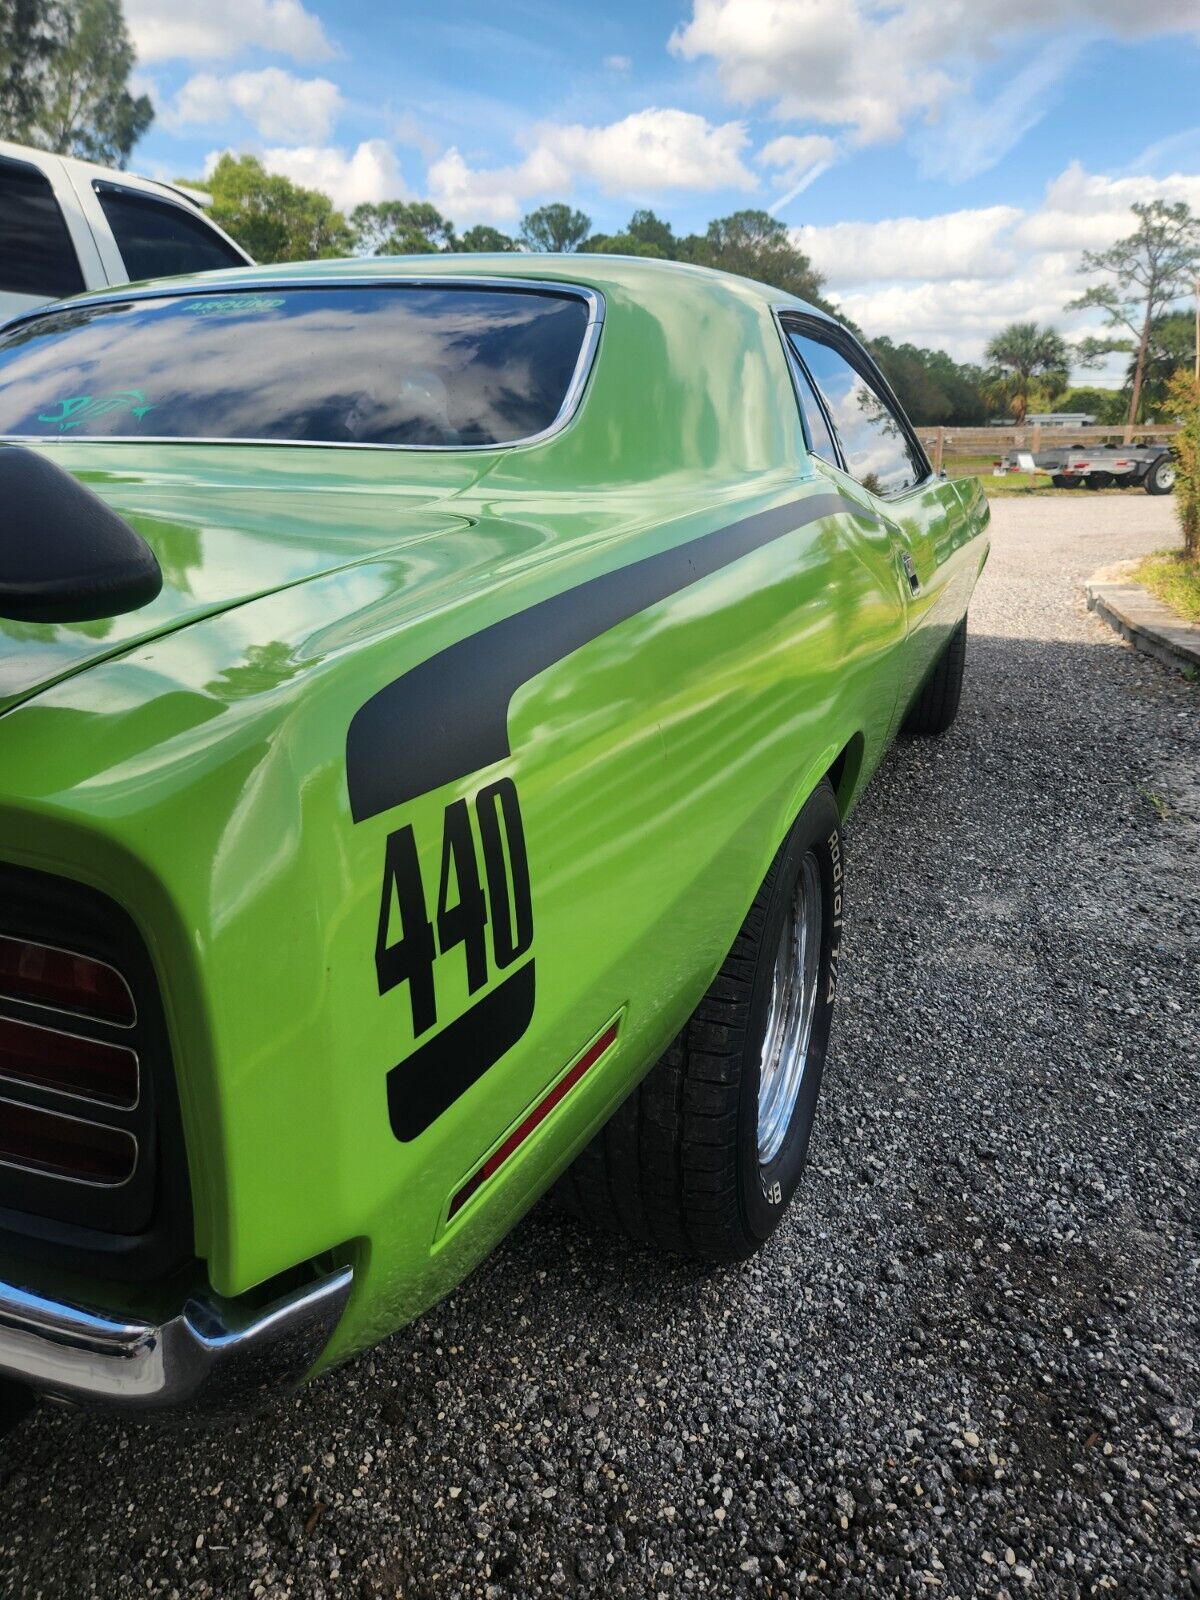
(1022, 353)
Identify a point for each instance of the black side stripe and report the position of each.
(428, 1082)
(448, 717)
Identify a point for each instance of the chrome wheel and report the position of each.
(790, 1016)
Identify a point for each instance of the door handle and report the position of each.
(914, 583)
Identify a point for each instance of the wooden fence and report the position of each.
(997, 442)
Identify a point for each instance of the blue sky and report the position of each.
(944, 161)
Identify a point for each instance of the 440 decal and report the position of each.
(488, 913)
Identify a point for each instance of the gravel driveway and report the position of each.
(969, 1361)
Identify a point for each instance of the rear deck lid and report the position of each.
(228, 525)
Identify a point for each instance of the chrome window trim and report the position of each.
(71, 1011)
(77, 1095)
(584, 363)
(86, 1122)
(795, 366)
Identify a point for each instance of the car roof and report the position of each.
(636, 275)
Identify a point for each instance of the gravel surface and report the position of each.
(968, 1362)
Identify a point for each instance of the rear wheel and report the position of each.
(1100, 480)
(936, 707)
(1161, 477)
(704, 1156)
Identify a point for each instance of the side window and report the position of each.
(36, 253)
(158, 239)
(820, 440)
(873, 442)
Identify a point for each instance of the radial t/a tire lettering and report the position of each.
(705, 1154)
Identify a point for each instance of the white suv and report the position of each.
(66, 226)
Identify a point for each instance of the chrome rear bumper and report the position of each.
(213, 1356)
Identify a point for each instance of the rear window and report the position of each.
(381, 365)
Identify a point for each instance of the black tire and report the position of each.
(936, 706)
(1061, 481)
(1100, 480)
(677, 1165)
(1160, 479)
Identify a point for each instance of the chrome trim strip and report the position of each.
(86, 1122)
(75, 1094)
(566, 411)
(71, 1011)
(214, 1355)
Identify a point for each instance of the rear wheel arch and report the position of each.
(845, 772)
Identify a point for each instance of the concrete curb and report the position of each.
(1144, 621)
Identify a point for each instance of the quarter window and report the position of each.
(36, 253)
(159, 240)
(874, 445)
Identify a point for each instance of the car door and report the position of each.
(870, 452)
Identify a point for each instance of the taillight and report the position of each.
(93, 1170)
(66, 1068)
(68, 1063)
(44, 975)
(65, 1147)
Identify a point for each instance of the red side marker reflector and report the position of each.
(537, 1116)
(49, 977)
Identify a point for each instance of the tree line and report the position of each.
(64, 86)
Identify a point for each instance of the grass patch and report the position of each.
(1174, 580)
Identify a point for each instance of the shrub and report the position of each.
(1184, 403)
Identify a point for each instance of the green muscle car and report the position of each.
(430, 694)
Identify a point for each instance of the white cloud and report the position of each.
(279, 105)
(800, 160)
(845, 62)
(494, 194)
(371, 173)
(645, 153)
(794, 155)
(952, 281)
(873, 66)
(654, 149)
(618, 63)
(164, 30)
(1084, 211)
(955, 245)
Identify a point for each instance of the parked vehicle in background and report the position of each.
(68, 225)
(1100, 466)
